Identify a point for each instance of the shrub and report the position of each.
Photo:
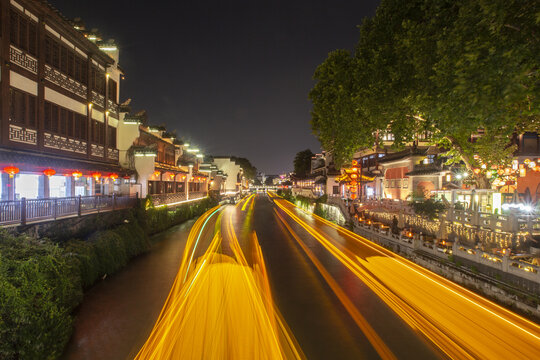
(38, 291)
(429, 208)
(41, 282)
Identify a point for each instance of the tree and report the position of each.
(455, 68)
(269, 181)
(302, 163)
(250, 171)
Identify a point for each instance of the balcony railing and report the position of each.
(21, 212)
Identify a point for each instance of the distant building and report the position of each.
(235, 180)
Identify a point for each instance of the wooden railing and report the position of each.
(21, 212)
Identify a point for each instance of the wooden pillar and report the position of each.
(4, 72)
(44, 187)
(40, 125)
(89, 127)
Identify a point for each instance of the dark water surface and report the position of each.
(118, 313)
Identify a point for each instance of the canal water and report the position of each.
(118, 313)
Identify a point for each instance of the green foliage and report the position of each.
(250, 171)
(429, 208)
(286, 194)
(319, 211)
(38, 291)
(322, 199)
(42, 282)
(395, 227)
(304, 202)
(450, 67)
(159, 219)
(302, 163)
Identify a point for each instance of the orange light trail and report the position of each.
(377, 343)
(223, 309)
(460, 323)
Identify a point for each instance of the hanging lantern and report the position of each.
(49, 172)
(484, 166)
(476, 171)
(184, 177)
(354, 176)
(11, 170)
(537, 168)
(113, 176)
(354, 169)
(171, 176)
(354, 163)
(96, 175)
(507, 171)
(156, 173)
(76, 174)
(500, 171)
(353, 183)
(526, 161)
(532, 165)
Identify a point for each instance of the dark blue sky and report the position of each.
(232, 77)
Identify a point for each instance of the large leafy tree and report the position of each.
(453, 67)
(250, 171)
(302, 163)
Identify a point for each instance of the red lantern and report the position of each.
(76, 174)
(477, 171)
(354, 176)
(11, 170)
(49, 172)
(96, 175)
(354, 163)
(113, 176)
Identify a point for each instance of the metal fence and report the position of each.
(15, 212)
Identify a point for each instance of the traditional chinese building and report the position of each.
(59, 113)
(165, 167)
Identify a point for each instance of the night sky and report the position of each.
(232, 77)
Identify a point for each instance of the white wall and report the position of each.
(231, 169)
(144, 165)
(126, 135)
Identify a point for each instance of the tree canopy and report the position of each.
(454, 68)
(302, 163)
(250, 171)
